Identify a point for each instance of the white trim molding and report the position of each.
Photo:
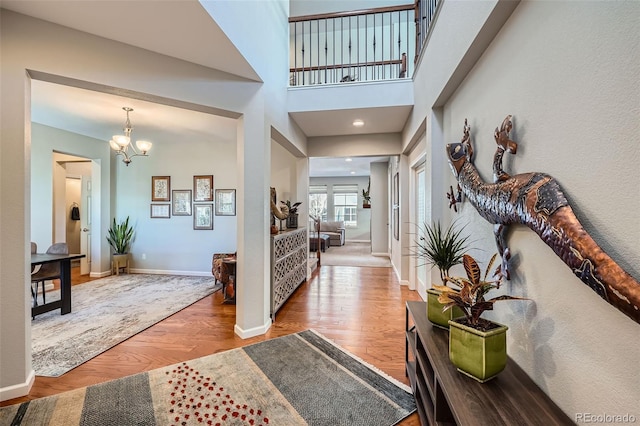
(18, 390)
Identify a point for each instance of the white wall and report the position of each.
(568, 71)
(379, 144)
(265, 47)
(171, 245)
(312, 7)
(283, 174)
(380, 208)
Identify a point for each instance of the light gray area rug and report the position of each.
(106, 312)
(299, 379)
(353, 254)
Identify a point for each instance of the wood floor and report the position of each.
(361, 309)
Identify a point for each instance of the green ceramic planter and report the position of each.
(481, 355)
(434, 310)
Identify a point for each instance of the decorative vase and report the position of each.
(434, 310)
(366, 205)
(478, 354)
(292, 221)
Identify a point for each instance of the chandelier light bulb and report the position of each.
(123, 141)
(144, 146)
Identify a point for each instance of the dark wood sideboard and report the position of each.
(446, 397)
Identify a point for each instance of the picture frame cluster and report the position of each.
(198, 202)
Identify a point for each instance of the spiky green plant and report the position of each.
(471, 296)
(120, 236)
(441, 248)
(366, 193)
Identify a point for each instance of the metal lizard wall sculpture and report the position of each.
(536, 200)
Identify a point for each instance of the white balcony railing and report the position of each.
(367, 45)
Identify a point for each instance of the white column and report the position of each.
(16, 374)
(252, 196)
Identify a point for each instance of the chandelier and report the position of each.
(121, 144)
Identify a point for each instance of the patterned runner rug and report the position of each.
(299, 379)
(106, 312)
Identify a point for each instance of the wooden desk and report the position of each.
(65, 281)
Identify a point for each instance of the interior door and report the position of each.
(85, 225)
(420, 215)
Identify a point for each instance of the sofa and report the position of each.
(335, 231)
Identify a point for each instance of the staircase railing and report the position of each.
(425, 15)
(365, 45)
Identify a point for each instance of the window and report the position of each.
(318, 201)
(345, 204)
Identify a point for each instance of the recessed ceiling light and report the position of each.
(353, 173)
(348, 159)
(358, 123)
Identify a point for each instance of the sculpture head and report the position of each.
(461, 152)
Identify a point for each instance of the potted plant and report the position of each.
(292, 219)
(477, 346)
(119, 237)
(366, 198)
(443, 249)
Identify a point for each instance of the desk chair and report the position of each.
(48, 271)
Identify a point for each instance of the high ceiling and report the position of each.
(144, 24)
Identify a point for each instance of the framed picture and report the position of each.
(181, 202)
(160, 188)
(225, 202)
(162, 211)
(203, 188)
(396, 188)
(396, 222)
(203, 216)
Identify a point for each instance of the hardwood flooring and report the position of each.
(361, 309)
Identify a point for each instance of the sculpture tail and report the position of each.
(569, 240)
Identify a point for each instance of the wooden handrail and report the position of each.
(387, 9)
(341, 66)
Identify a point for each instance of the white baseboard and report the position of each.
(357, 241)
(381, 255)
(16, 391)
(171, 272)
(404, 282)
(155, 272)
(252, 332)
